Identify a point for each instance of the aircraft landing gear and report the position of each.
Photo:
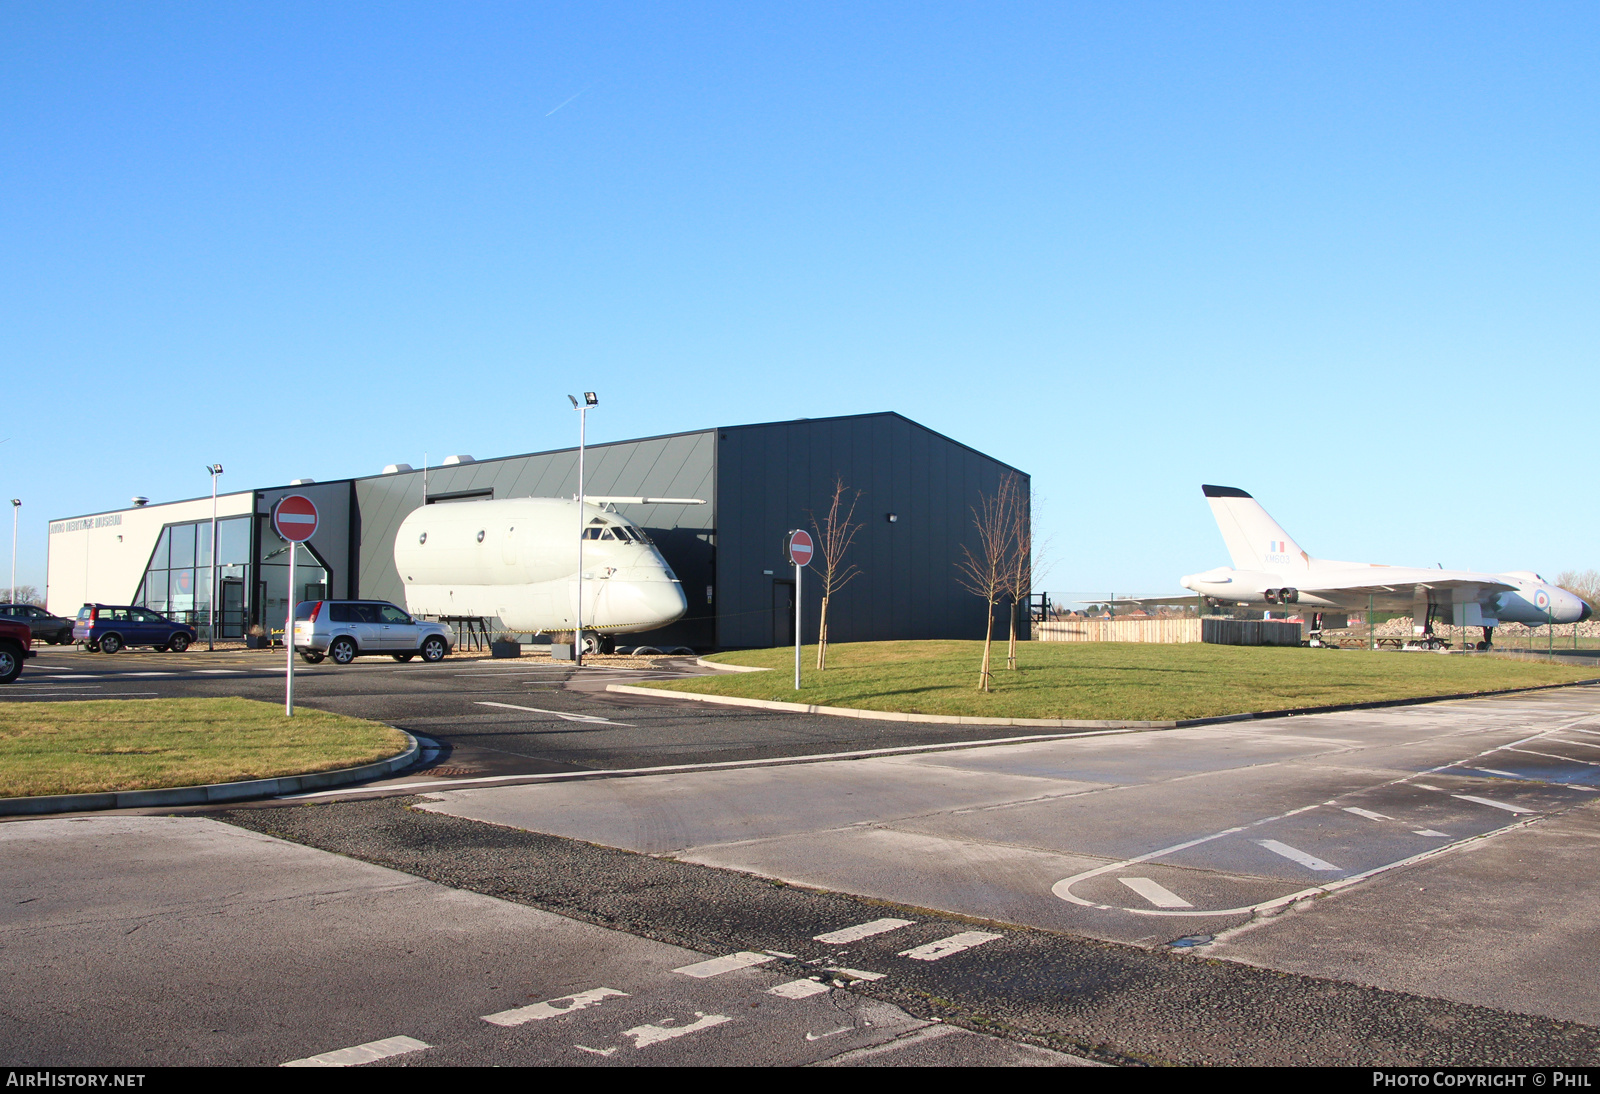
(1427, 640)
(1314, 636)
(1488, 639)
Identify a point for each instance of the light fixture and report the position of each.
(893, 517)
(590, 400)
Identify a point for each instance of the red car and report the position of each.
(16, 646)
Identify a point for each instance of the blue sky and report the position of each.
(1342, 256)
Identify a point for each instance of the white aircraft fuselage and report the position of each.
(1270, 571)
(517, 559)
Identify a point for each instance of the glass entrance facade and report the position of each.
(178, 579)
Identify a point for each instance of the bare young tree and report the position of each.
(1584, 583)
(24, 594)
(1018, 572)
(984, 573)
(834, 536)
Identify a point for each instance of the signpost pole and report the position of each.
(288, 639)
(295, 520)
(799, 548)
(797, 615)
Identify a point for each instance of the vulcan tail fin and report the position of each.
(1254, 539)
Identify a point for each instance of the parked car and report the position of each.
(109, 627)
(45, 627)
(16, 646)
(345, 629)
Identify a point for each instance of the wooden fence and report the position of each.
(1153, 629)
(1227, 632)
(1250, 632)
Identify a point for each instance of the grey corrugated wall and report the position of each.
(772, 477)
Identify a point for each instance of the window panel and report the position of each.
(233, 541)
(158, 561)
(182, 546)
(155, 590)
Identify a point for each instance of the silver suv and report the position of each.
(345, 629)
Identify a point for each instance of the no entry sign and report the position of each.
(799, 547)
(295, 518)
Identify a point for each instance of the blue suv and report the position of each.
(108, 628)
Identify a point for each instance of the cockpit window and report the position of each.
(591, 533)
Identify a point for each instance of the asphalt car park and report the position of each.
(479, 717)
(1409, 884)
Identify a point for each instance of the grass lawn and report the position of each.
(106, 745)
(1111, 680)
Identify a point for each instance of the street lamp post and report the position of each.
(16, 507)
(589, 400)
(214, 470)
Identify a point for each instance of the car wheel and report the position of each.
(402, 657)
(110, 643)
(178, 643)
(312, 657)
(343, 651)
(10, 662)
(65, 638)
(433, 649)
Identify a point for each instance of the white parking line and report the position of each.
(1553, 756)
(560, 714)
(862, 930)
(798, 989)
(1294, 854)
(362, 1054)
(552, 1008)
(1369, 814)
(857, 974)
(646, 1035)
(1496, 771)
(149, 674)
(1158, 895)
(944, 947)
(716, 966)
(221, 672)
(1431, 832)
(1507, 806)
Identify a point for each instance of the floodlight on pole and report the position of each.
(589, 400)
(16, 507)
(213, 470)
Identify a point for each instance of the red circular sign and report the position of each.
(295, 518)
(799, 548)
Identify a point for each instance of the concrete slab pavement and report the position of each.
(140, 941)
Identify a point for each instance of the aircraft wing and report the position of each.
(1372, 588)
(1155, 601)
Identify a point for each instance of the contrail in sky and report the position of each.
(564, 102)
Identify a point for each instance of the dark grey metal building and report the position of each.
(918, 490)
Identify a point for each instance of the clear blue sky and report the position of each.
(1342, 256)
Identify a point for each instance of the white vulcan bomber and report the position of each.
(517, 559)
(1271, 570)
